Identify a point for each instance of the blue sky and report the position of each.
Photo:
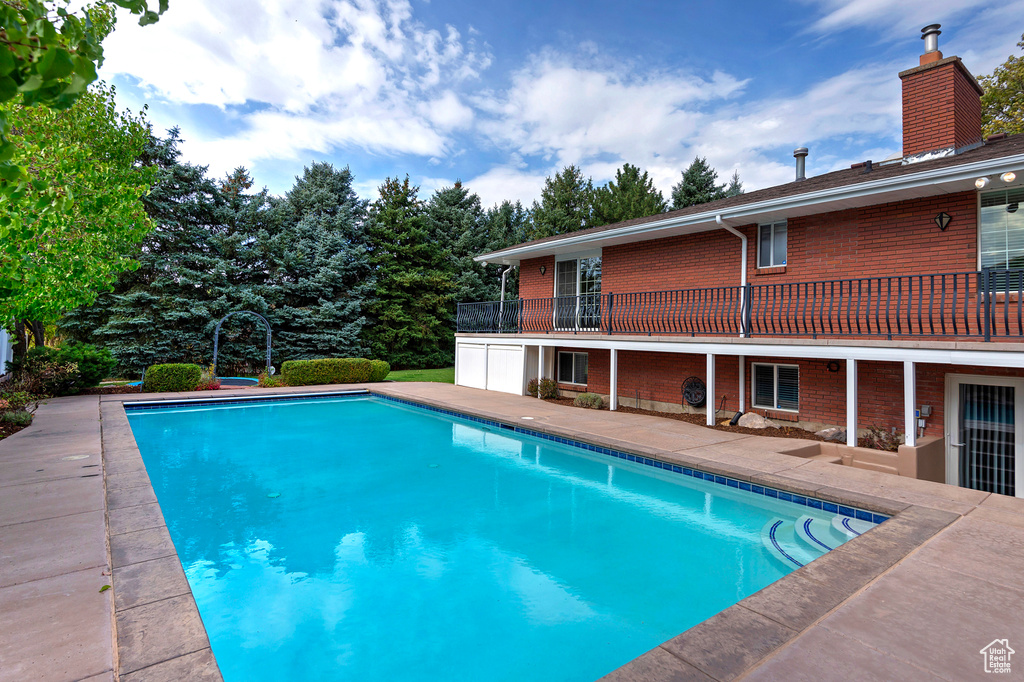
(501, 95)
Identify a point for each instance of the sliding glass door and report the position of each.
(578, 294)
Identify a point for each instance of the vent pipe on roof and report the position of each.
(800, 154)
(930, 36)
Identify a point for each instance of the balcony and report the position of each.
(984, 305)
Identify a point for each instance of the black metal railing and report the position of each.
(986, 304)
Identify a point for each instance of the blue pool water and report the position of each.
(359, 539)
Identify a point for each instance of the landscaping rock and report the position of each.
(830, 432)
(752, 420)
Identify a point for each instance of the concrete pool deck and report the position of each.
(916, 598)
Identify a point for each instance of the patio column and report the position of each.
(909, 402)
(614, 380)
(709, 392)
(743, 383)
(540, 368)
(851, 402)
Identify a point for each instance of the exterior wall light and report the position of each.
(1009, 176)
(980, 183)
(543, 269)
(943, 220)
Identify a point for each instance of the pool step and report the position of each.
(779, 537)
(818, 534)
(851, 527)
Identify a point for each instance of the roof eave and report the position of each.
(642, 231)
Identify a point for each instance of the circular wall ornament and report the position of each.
(694, 391)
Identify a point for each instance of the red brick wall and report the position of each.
(941, 108)
(884, 240)
(659, 377)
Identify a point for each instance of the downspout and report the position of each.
(743, 265)
(501, 305)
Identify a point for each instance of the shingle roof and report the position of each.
(1007, 146)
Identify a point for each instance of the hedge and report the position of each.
(172, 377)
(333, 371)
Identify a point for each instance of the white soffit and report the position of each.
(946, 180)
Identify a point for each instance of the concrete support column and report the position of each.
(614, 380)
(709, 381)
(743, 383)
(910, 402)
(851, 403)
(540, 368)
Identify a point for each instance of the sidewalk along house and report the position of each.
(887, 294)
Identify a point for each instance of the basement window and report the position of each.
(771, 245)
(776, 387)
(572, 368)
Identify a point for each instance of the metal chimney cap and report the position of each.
(800, 151)
(929, 29)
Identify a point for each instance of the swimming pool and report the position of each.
(362, 538)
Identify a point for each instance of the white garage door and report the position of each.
(472, 368)
(505, 369)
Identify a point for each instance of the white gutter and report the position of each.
(958, 173)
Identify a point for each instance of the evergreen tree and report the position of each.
(161, 312)
(699, 185)
(412, 315)
(566, 204)
(630, 195)
(317, 267)
(735, 187)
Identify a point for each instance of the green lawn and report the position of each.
(445, 375)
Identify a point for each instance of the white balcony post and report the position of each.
(909, 402)
(851, 402)
(709, 400)
(540, 368)
(613, 398)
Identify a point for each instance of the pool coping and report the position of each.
(160, 634)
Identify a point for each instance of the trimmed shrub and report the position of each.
(589, 400)
(379, 370)
(94, 364)
(326, 371)
(548, 388)
(172, 377)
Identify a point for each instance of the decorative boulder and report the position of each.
(830, 433)
(752, 420)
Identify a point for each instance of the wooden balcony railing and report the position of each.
(982, 305)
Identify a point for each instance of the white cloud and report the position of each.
(299, 77)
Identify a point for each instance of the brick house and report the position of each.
(888, 295)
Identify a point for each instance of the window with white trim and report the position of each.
(572, 368)
(1002, 229)
(776, 387)
(771, 245)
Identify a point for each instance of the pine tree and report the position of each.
(317, 265)
(412, 315)
(630, 195)
(566, 204)
(735, 187)
(699, 185)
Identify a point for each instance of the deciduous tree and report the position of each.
(1003, 101)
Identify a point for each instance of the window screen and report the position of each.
(565, 367)
(777, 387)
(771, 245)
(572, 368)
(1002, 229)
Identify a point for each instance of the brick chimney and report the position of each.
(941, 102)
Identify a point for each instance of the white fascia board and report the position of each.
(983, 358)
(781, 205)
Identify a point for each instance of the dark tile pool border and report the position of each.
(767, 491)
(133, 406)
